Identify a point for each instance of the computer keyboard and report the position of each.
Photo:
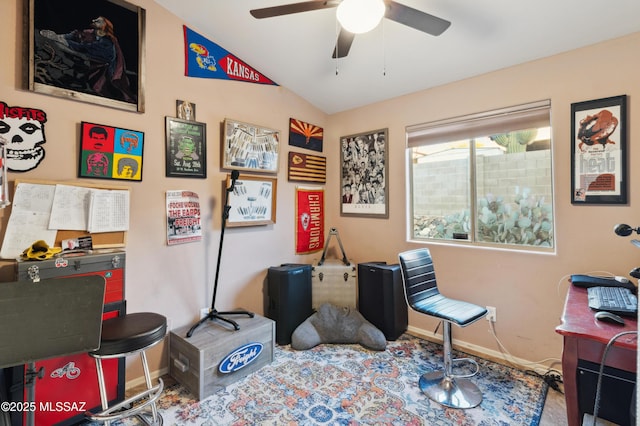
(618, 300)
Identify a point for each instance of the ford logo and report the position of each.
(240, 357)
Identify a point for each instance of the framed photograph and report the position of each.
(108, 152)
(186, 110)
(363, 165)
(599, 151)
(68, 42)
(186, 148)
(249, 147)
(252, 201)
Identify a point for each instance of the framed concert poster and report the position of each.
(66, 44)
(249, 147)
(186, 143)
(108, 152)
(252, 201)
(363, 167)
(599, 151)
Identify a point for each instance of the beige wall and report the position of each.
(527, 289)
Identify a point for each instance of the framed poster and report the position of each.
(108, 152)
(363, 167)
(67, 44)
(250, 147)
(252, 201)
(599, 151)
(186, 144)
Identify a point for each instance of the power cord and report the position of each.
(551, 377)
(596, 403)
(565, 278)
(510, 358)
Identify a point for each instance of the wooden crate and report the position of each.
(196, 362)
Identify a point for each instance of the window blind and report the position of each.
(504, 120)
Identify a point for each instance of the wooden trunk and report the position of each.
(334, 282)
(216, 355)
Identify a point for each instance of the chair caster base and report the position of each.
(449, 391)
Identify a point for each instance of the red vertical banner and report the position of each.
(309, 220)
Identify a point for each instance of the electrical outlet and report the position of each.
(491, 313)
(204, 312)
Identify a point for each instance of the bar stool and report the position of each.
(422, 294)
(121, 337)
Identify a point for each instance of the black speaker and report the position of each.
(381, 298)
(289, 304)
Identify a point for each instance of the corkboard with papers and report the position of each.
(56, 211)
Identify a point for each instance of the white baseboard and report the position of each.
(140, 381)
(482, 352)
(470, 348)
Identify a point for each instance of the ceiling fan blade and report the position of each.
(343, 44)
(415, 18)
(287, 9)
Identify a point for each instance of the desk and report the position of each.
(585, 338)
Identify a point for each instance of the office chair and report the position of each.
(421, 291)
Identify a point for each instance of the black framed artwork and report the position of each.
(186, 144)
(599, 151)
(90, 51)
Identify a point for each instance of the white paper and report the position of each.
(29, 220)
(109, 211)
(70, 210)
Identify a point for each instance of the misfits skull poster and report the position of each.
(22, 133)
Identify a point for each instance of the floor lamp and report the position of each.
(213, 312)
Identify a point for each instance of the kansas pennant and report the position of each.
(205, 59)
(307, 168)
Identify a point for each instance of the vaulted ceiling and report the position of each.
(295, 50)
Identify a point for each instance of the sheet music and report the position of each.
(70, 209)
(109, 211)
(29, 220)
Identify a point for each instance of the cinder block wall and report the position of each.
(502, 175)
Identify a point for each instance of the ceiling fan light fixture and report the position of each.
(360, 16)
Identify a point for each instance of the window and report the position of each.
(484, 179)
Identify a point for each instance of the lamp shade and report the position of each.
(360, 16)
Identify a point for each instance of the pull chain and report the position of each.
(337, 31)
(384, 52)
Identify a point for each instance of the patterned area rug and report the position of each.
(350, 385)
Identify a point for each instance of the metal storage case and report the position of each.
(74, 377)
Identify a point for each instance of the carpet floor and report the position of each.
(350, 385)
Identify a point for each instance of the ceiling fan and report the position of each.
(397, 12)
